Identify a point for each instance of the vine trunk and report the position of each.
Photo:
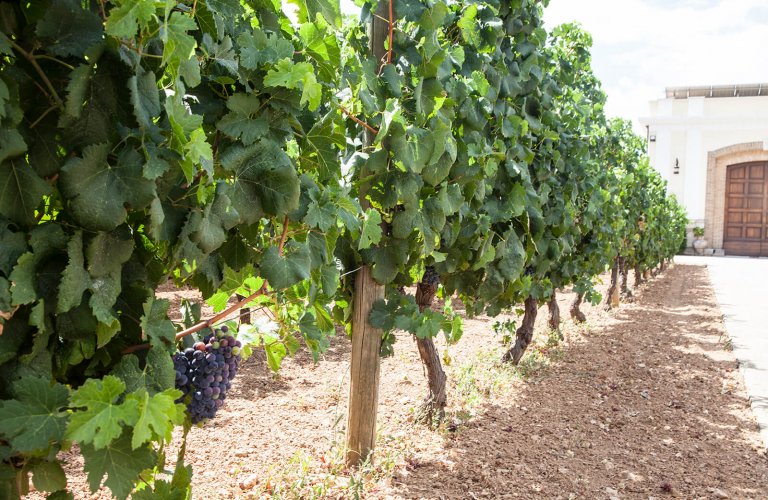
(432, 409)
(524, 334)
(576, 313)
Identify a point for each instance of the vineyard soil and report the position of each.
(643, 401)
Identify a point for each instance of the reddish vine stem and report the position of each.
(30, 57)
(358, 120)
(202, 325)
(391, 32)
(283, 236)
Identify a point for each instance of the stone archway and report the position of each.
(717, 166)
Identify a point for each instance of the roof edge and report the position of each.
(714, 91)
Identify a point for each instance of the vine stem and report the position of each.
(31, 58)
(391, 32)
(208, 323)
(358, 120)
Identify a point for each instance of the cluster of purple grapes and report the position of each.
(204, 373)
(430, 276)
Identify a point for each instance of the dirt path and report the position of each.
(643, 402)
(649, 406)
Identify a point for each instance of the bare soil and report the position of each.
(645, 401)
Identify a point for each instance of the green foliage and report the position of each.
(208, 143)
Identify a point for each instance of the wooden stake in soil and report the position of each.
(366, 340)
(364, 372)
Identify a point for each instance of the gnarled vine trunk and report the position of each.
(524, 334)
(432, 410)
(638, 277)
(554, 314)
(612, 300)
(576, 314)
(625, 279)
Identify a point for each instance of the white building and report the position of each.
(711, 145)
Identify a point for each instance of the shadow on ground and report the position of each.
(651, 405)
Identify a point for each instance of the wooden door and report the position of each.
(746, 204)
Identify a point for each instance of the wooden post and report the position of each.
(364, 372)
(366, 340)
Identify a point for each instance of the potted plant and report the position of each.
(699, 243)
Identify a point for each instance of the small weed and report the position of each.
(306, 475)
(728, 344)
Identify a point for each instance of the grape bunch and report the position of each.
(430, 276)
(204, 373)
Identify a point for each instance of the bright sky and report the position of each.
(642, 46)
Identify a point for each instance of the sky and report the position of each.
(643, 46)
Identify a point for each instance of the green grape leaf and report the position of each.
(264, 177)
(158, 374)
(329, 9)
(225, 8)
(289, 75)
(12, 246)
(321, 212)
(179, 50)
(5, 45)
(470, 30)
(68, 29)
(283, 272)
(5, 95)
(48, 476)
(99, 192)
(157, 416)
(221, 54)
(275, 351)
(145, 98)
(102, 419)
(107, 252)
(198, 151)
(162, 490)
(371, 232)
(323, 48)
(156, 325)
(258, 48)
(129, 16)
(45, 238)
(155, 165)
(36, 418)
(119, 462)
(323, 141)
(21, 191)
(11, 144)
(77, 88)
(75, 279)
(246, 120)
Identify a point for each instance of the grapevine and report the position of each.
(217, 145)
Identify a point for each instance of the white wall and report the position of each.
(686, 130)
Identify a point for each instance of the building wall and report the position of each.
(688, 132)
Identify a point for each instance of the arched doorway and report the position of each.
(746, 209)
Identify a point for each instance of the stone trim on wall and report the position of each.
(717, 165)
